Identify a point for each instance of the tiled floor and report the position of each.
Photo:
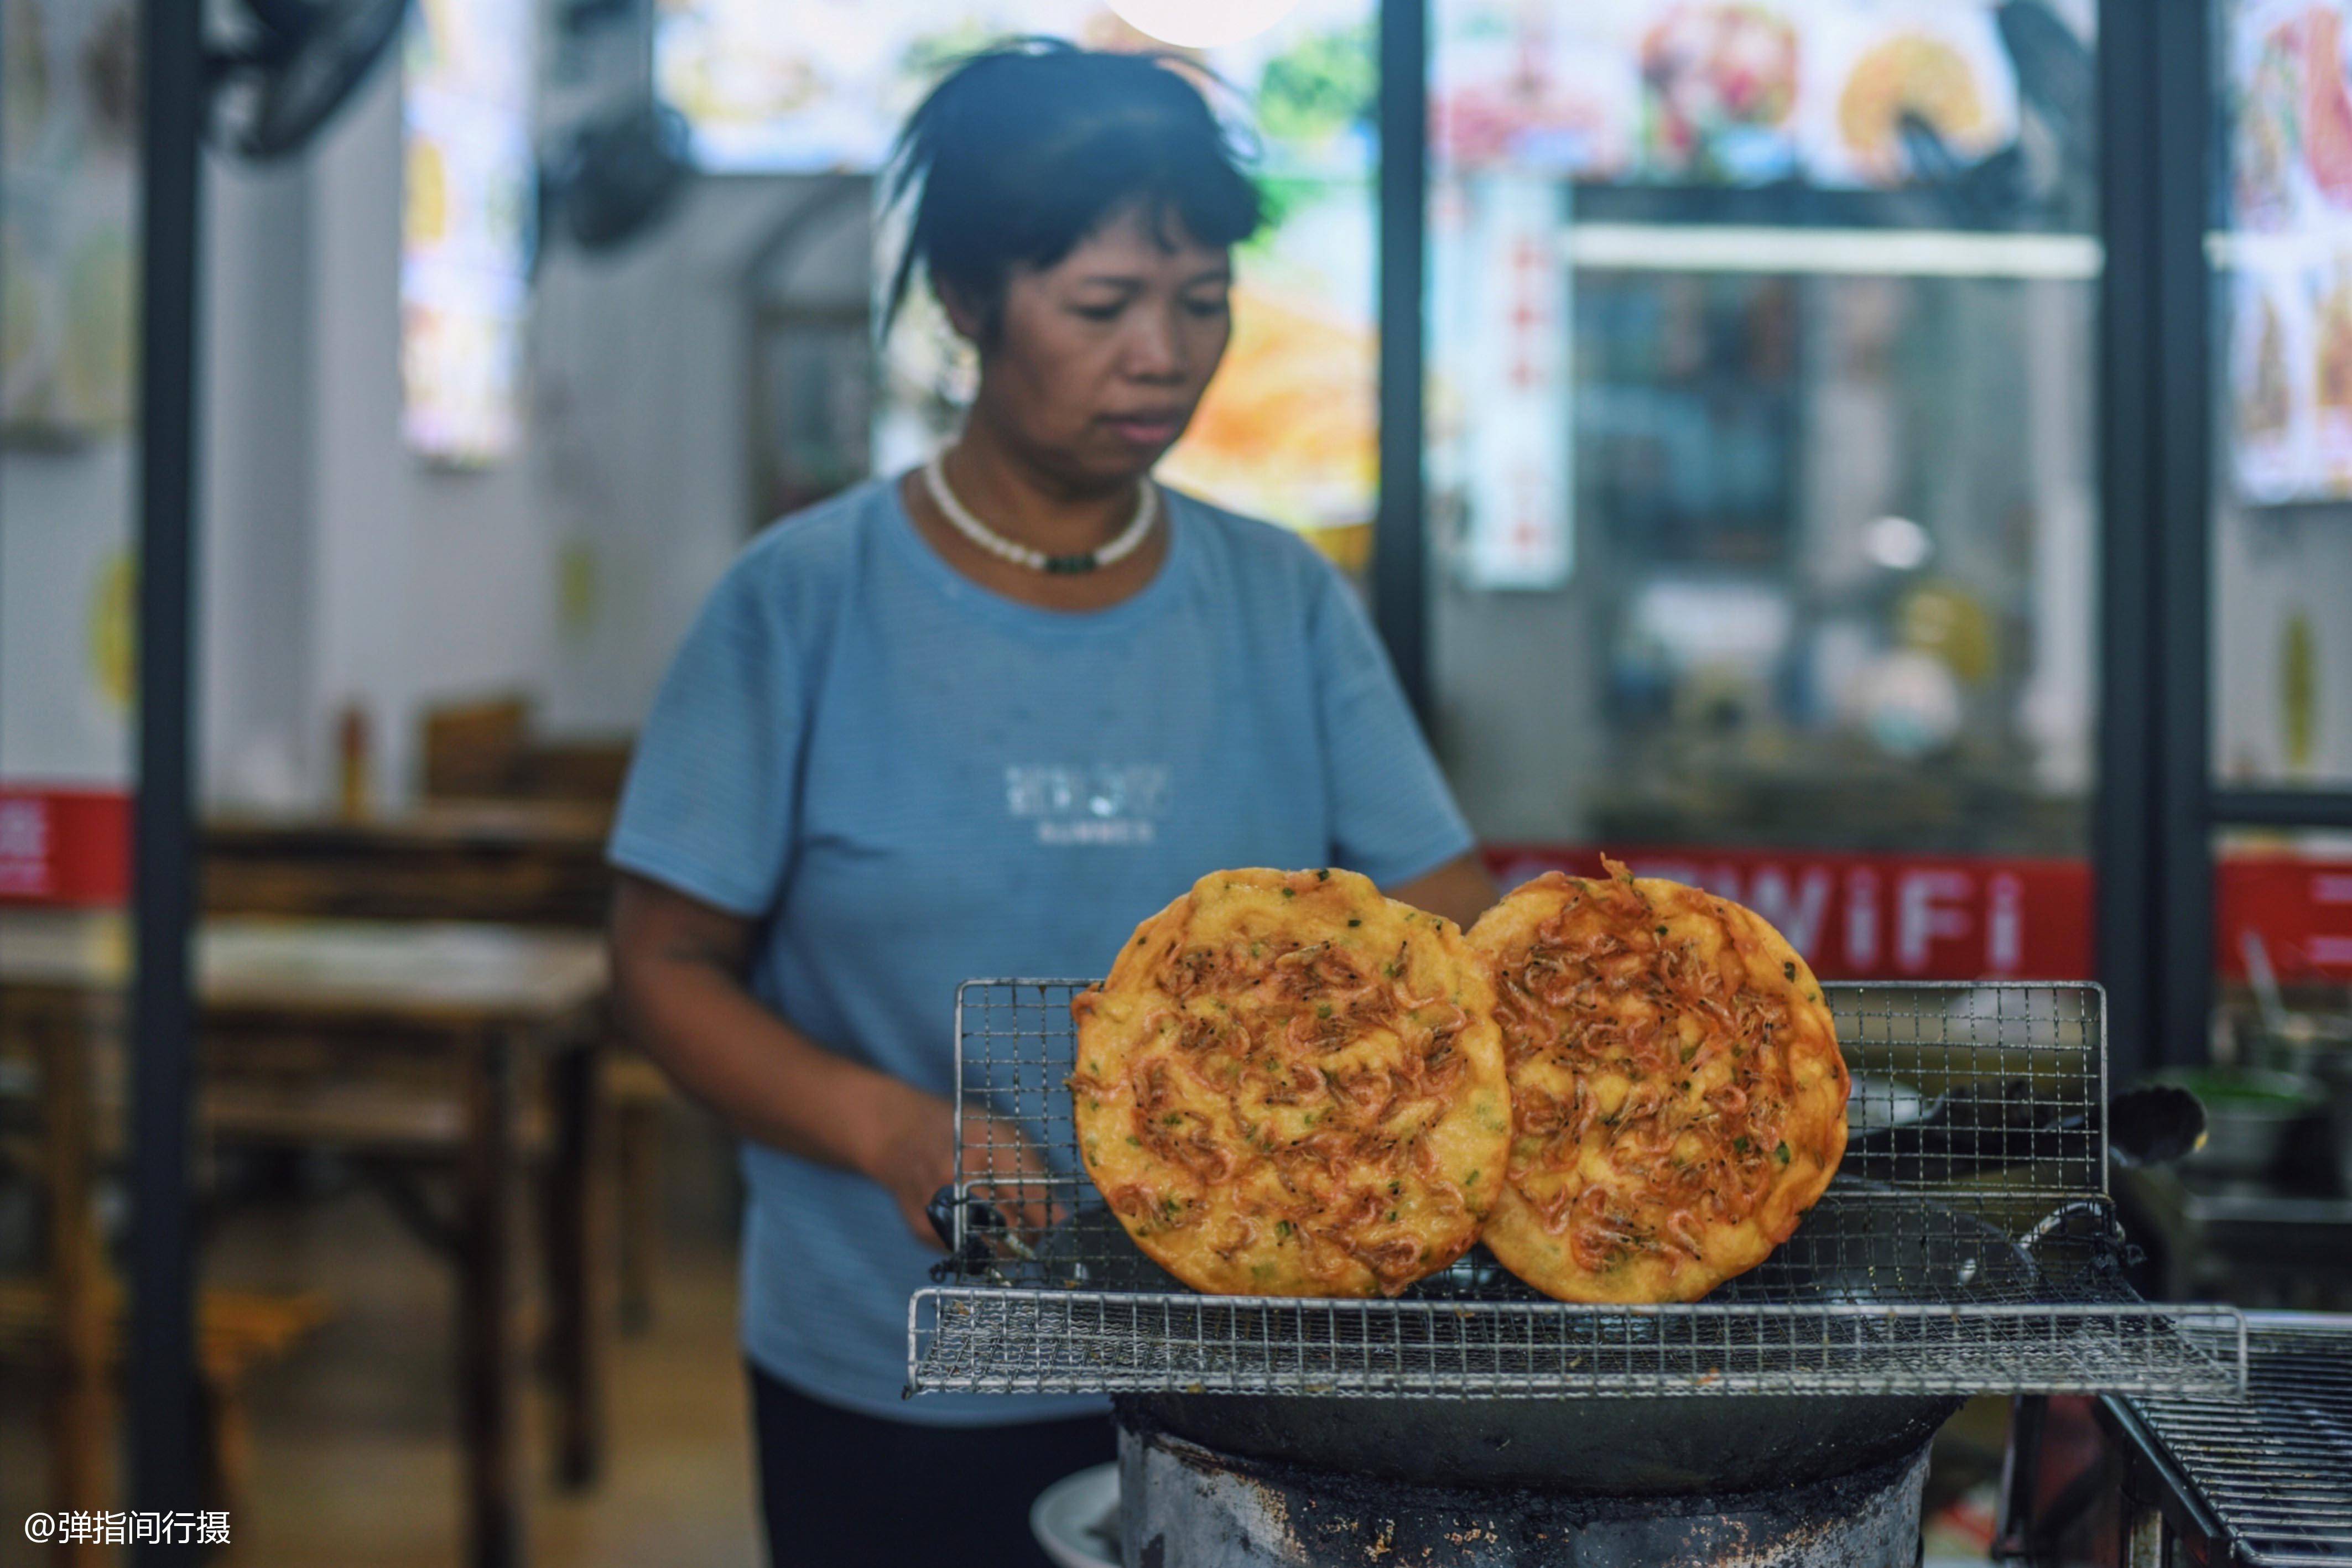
(354, 1461)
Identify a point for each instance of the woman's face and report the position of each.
(1099, 359)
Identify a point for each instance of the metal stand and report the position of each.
(2261, 1479)
(2035, 1535)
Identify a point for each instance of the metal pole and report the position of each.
(162, 1353)
(1400, 607)
(2123, 807)
(2180, 447)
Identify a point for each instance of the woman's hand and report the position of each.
(677, 965)
(915, 1156)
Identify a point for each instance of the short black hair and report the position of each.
(1022, 150)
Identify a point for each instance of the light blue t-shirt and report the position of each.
(911, 781)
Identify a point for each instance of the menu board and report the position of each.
(1723, 92)
(2289, 250)
(823, 84)
(1499, 386)
(465, 226)
(68, 204)
(1289, 430)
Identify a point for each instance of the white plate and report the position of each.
(1067, 1514)
(1872, 1104)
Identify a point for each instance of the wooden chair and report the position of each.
(641, 1099)
(480, 756)
(237, 1332)
(588, 771)
(484, 751)
(474, 750)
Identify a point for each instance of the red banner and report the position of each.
(1853, 916)
(1876, 917)
(2302, 909)
(64, 846)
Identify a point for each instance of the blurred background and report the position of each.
(1889, 461)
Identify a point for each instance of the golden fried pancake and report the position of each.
(1290, 1085)
(1677, 1096)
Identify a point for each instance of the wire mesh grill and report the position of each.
(1966, 1247)
(2274, 1467)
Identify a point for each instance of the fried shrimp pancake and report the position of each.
(1677, 1096)
(1290, 1085)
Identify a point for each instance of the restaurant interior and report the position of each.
(1886, 463)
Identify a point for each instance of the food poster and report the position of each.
(2289, 253)
(68, 218)
(2265, 76)
(1290, 428)
(823, 84)
(1874, 69)
(817, 85)
(2274, 433)
(2289, 376)
(67, 614)
(1718, 92)
(2291, 117)
(2331, 329)
(465, 226)
(1519, 85)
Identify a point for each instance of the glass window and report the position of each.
(2282, 546)
(2282, 539)
(1761, 441)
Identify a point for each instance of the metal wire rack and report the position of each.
(2271, 1469)
(1967, 1247)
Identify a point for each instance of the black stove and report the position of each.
(1183, 1504)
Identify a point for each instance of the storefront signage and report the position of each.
(1854, 916)
(2300, 909)
(64, 846)
(1878, 916)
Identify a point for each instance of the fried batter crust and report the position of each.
(1290, 1085)
(1678, 1100)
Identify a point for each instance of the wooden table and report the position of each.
(528, 862)
(472, 1022)
(521, 861)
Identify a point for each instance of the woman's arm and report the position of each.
(1460, 890)
(678, 968)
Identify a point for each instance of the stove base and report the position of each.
(1183, 1505)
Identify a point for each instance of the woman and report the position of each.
(980, 720)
